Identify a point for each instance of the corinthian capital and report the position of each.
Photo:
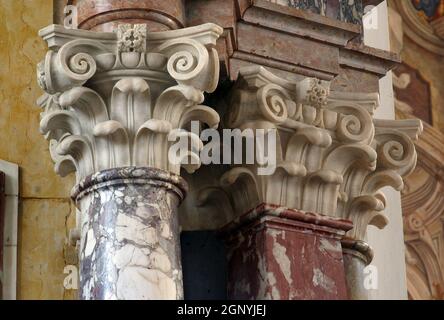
(113, 99)
(332, 157)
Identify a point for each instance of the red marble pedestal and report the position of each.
(280, 254)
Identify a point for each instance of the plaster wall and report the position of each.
(45, 213)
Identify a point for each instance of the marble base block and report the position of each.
(130, 244)
(283, 254)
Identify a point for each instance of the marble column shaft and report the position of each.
(106, 15)
(357, 255)
(130, 241)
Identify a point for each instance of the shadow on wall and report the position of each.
(204, 266)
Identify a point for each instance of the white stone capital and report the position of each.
(333, 157)
(112, 99)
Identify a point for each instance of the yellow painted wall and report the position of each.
(45, 213)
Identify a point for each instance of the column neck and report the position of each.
(130, 175)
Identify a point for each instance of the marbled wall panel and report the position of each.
(344, 10)
(315, 6)
(351, 11)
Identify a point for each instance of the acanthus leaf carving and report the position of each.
(114, 99)
(332, 158)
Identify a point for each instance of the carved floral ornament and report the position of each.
(332, 156)
(112, 99)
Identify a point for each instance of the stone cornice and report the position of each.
(300, 22)
(295, 24)
(114, 99)
(357, 55)
(264, 211)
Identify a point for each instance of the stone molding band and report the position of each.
(131, 175)
(139, 15)
(358, 248)
(266, 211)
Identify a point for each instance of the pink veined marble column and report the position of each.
(106, 15)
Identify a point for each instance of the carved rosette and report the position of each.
(332, 157)
(117, 99)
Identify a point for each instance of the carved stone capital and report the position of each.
(332, 157)
(114, 99)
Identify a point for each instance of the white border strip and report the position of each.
(9, 277)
